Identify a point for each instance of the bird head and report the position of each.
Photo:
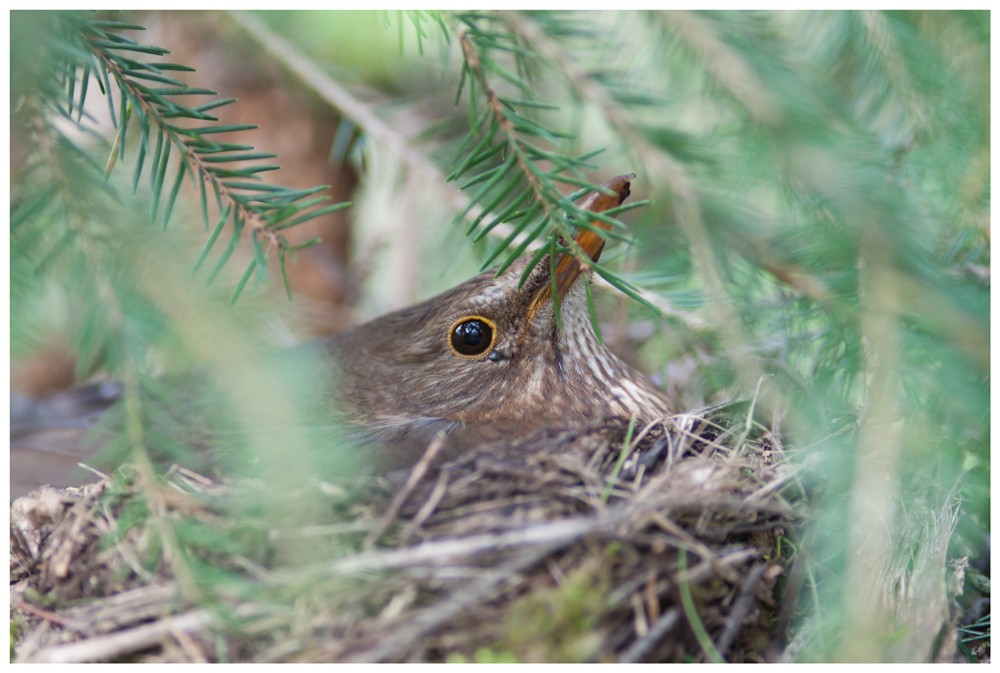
(490, 354)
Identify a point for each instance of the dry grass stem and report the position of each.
(519, 551)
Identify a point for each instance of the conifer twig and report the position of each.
(96, 46)
(337, 96)
(658, 163)
(251, 217)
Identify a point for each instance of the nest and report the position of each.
(668, 542)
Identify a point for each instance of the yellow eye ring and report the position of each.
(472, 336)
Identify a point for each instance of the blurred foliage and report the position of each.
(90, 244)
(818, 225)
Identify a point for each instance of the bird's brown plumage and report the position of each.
(399, 378)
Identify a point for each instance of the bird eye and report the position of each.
(471, 337)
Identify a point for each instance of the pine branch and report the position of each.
(261, 208)
(518, 239)
(542, 193)
(559, 213)
(658, 163)
(654, 161)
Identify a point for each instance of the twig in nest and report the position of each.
(626, 449)
(559, 531)
(673, 529)
(50, 616)
(124, 642)
(440, 487)
(189, 647)
(652, 602)
(641, 647)
(431, 618)
(735, 619)
(475, 545)
(418, 472)
(641, 623)
(64, 552)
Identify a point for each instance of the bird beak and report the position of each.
(569, 266)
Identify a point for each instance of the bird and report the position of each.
(488, 360)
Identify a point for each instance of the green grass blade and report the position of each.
(707, 646)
